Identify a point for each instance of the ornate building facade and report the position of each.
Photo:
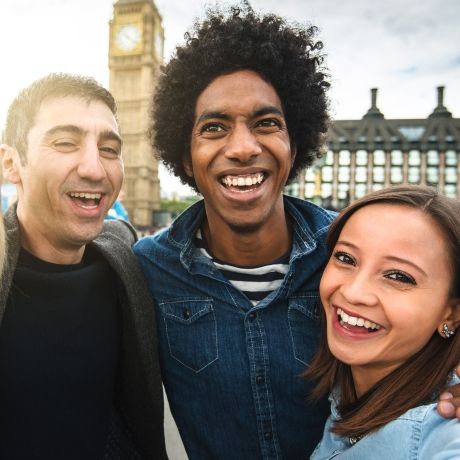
(135, 54)
(375, 152)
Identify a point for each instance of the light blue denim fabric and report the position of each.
(231, 370)
(418, 434)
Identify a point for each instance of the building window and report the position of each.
(292, 189)
(378, 173)
(361, 158)
(432, 176)
(342, 191)
(326, 190)
(379, 157)
(377, 187)
(451, 175)
(360, 190)
(361, 174)
(326, 174)
(396, 158)
(413, 175)
(396, 175)
(432, 158)
(344, 174)
(310, 175)
(329, 160)
(414, 158)
(344, 157)
(309, 190)
(450, 190)
(451, 158)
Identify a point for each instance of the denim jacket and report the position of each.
(418, 434)
(231, 369)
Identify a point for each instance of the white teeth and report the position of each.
(88, 196)
(355, 321)
(243, 181)
(352, 320)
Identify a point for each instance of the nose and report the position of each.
(90, 166)
(359, 290)
(242, 144)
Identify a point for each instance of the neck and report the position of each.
(38, 244)
(259, 246)
(365, 377)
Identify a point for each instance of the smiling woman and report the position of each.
(391, 307)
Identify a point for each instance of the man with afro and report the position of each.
(238, 111)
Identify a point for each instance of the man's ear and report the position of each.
(187, 163)
(11, 163)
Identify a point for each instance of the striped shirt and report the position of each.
(255, 282)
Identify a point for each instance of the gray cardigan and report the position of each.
(138, 390)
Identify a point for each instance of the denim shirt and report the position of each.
(419, 434)
(231, 369)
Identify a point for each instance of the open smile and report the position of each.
(86, 200)
(356, 323)
(243, 182)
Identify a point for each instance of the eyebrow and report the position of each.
(390, 258)
(223, 116)
(104, 135)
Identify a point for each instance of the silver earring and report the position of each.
(447, 332)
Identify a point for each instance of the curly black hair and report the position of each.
(284, 55)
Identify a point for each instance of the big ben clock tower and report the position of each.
(135, 54)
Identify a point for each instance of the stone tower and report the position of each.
(135, 54)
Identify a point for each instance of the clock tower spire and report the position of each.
(135, 54)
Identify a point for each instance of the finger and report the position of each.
(446, 395)
(446, 409)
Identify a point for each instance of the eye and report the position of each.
(400, 277)
(268, 124)
(64, 146)
(109, 151)
(212, 128)
(344, 258)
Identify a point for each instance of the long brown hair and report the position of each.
(424, 374)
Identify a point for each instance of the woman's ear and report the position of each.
(451, 322)
(11, 163)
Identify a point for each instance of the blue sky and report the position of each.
(406, 48)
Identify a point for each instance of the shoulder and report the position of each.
(439, 437)
(149, 244)
(307, 213)
(120, 231)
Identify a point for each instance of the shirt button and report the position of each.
(268, 435)
(252, 316)
(260, 379)
(186, 313)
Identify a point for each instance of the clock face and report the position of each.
(128, 37)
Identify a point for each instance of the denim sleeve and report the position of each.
(440, 438)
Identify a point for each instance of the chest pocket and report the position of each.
(191, 331)
(304, 325)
